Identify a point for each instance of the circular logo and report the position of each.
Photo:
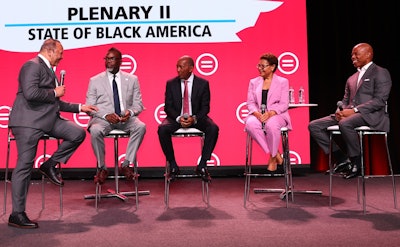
(206, 64)
(128, 64)
(159, 113)
(42, 158)
(288, 63)
(4, 116)
(81, 119)
(242, 112)
(214, 161)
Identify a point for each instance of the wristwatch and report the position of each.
(355, 109)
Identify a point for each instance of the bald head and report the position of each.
(362, 54)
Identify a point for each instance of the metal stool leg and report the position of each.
(166, 185)
(287, 166)
(205, 193)
(117, 193)
(43, 178)
(186, 132)
(333, 130)
(391, 173)
(247, 169)
(362, 134)
(6, 181)
(288, 173)
(330, 167)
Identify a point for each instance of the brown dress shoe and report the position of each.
(128, 173)
(101, 176)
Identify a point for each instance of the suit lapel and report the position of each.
(195, 90)
(124, 88)
(259, 90)
(365, 76)
(106, 86)
(49, 71)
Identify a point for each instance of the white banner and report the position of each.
(87, 23)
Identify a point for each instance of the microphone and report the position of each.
(340, 105)
(62, 76)
(262, 112)
(185, 116)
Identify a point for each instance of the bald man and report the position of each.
(364, 103)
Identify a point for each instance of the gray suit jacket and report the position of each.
(100, 94)
(35, 105)
(371, 96)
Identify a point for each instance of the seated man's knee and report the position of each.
(142, 129)
(96, 131)
(80, 135)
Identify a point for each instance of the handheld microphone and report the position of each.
(185, 116)
(62, 76)
(340, 105)
(262, 112)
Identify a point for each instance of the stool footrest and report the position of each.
(121, 195)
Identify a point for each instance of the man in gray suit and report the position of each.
(35, 112)
(119, 112)
(364, 103)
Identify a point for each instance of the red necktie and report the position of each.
(186, 99)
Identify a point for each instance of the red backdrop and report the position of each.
(227, 63)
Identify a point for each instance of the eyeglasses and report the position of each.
(262, 66)
(110, 58)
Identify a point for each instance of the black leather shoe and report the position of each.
(354, 172)
(172, 173)
(21, 220)
(204, 174)
(344, 166)
(51, 173)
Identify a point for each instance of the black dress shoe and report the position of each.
(271, 173)
(21, 220)
(51, 173)
(342, 167)
(354, 172)
(172, 173)
(204, 174)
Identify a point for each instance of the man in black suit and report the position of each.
(197, 115)
(35, 112)
(364, 103)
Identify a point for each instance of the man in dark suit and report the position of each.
(364, 103)
(196, 116)
(35, 112)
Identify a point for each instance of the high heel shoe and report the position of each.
(279, 158)
(272, 164)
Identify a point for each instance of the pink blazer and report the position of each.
(277, 100)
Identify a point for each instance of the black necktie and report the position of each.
(117, 105)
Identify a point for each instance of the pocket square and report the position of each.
(367, 79)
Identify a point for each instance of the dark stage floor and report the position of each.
(308, 221)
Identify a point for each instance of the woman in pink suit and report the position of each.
(268, 104)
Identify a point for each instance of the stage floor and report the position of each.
(308, 221)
